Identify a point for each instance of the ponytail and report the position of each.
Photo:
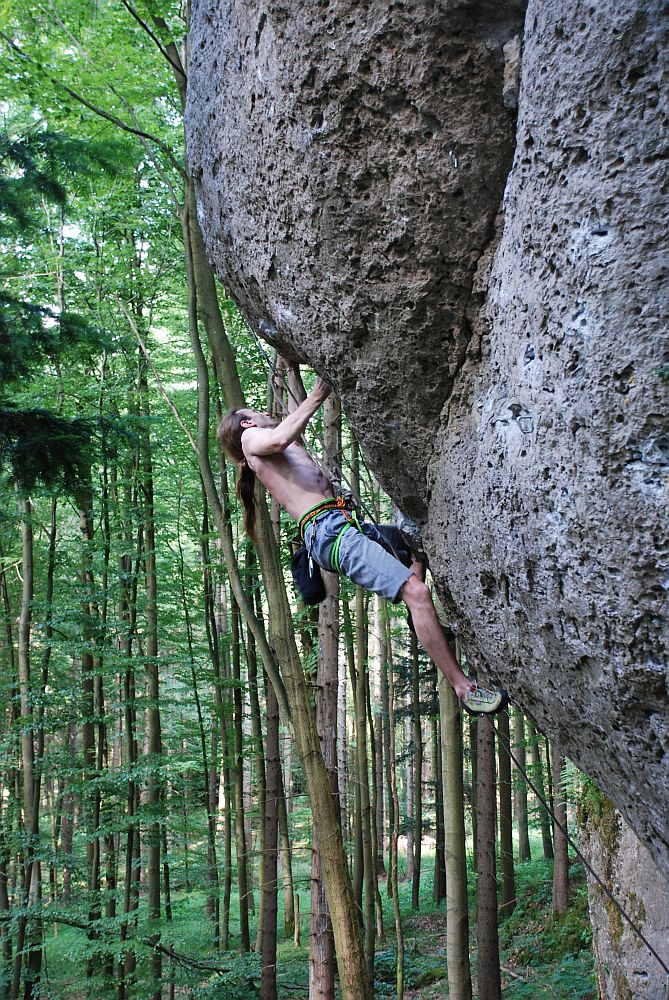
(229, 435)
(246, 486)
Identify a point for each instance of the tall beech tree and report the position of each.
(457, 916)
(489, 977)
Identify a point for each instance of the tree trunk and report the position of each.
(285, 857)
(368, 848)
(155, 749)
(474, 753)
(561, 865)
(270, 855)
(439, 884)
(91, 758)
(240, 826)
(321, 939)
(508, 898)
(358, 855)
(457, 915)
(259, 749)
(489, 978)
(393, 882)
(410, 787)
(524, 852)
(538, 779)
(377, 661)
(212, 902)
(29, 936)
(281, 647)
(417, 773)
(385, 702)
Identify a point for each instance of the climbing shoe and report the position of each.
(484, 702)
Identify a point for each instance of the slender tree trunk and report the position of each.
(508, 900)
(457, 915)
(538, 778)
(212, 904)
(281, 646)
(561, 865)
(240, 826)
(270, 855)
(520, 798)
(321, 943)
(378, 903)
(358, 860)
(410, 787)
(489, 978)
(342, 769)
(90, 755)
(385, 701)
(5, 819)
(285, 858)
(439, 886)
(474, 752)
(29, 936)
(393, 881)
(155, 749)
(369, 874)
(417, 773)
(377, 661)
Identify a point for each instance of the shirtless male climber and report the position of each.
(271, 450)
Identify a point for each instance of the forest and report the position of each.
(161, 783)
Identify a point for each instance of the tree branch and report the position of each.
(100, 112)
(154, 38)
(161, 387)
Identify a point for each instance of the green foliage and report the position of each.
(420, 970)
(550, 952)
(241, 981)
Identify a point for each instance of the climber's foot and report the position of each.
(481, 701)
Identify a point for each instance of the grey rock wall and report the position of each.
(486, 297)
(548, 509)
(626, 969)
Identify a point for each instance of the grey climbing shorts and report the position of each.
(362, 559)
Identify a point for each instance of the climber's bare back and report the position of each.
(291, 476)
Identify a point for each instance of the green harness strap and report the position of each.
(334, 555)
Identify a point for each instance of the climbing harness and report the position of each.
(637, 930)
(340, 503)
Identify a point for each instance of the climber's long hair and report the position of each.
(230, 436)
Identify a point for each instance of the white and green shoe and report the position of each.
(485, 702)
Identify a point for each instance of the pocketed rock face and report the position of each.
(548, 511)
(350, 161)
(625, 969)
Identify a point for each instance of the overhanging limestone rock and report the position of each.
(349, 161)
(505, 381)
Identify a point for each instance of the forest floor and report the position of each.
(541, 956)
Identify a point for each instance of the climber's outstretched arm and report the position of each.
(264, 440)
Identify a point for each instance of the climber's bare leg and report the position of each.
(416, 595)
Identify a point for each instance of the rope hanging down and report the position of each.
(637, 930)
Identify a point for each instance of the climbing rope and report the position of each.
(637, 930)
